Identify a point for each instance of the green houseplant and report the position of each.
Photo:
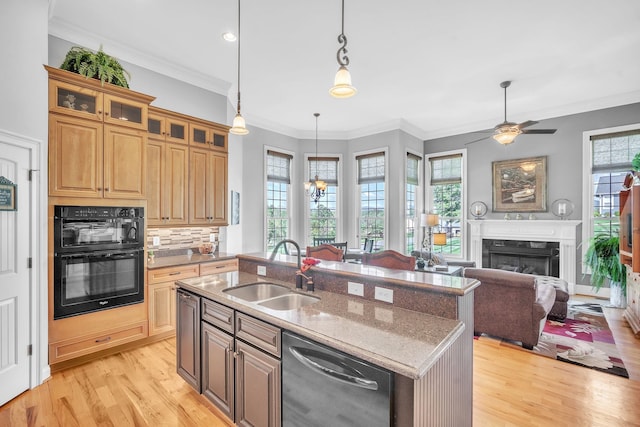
(96, 65)
(603, 258)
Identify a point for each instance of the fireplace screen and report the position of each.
(541, 258)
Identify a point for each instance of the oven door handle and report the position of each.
(107, 254)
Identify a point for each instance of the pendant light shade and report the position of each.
(239, 127)
(342, 87)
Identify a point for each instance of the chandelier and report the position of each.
(342, 82)
(317, 187)
(239, 126)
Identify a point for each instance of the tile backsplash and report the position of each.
(179, 238)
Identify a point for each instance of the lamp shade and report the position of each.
(433, 220)
(342, 84)
(440, 239)
(239, 126)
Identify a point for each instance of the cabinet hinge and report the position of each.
(31, 171)
(29, 350)
(29, 262)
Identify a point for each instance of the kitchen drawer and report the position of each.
(263, 335)
(171, 274)
(217, 315)
(76, 347)
(218, 267)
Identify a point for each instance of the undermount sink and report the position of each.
(271, 295)
(257, 291)
(289, 301)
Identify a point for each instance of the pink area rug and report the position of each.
(583, 339)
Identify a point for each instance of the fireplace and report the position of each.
(542, 258)
(562, 235)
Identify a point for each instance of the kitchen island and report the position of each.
(429, 354)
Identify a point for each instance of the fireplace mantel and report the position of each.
(564, 232)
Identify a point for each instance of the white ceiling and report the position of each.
(431, 68)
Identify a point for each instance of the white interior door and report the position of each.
(15, 276)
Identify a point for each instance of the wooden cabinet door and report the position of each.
(218, 371)
(162, 308)
(258, 390)
(219, 192)
(176, 184)
(125, 112)
(198, 208)
(125, 154)
(154, 214)
(75, 157)
(188, 338)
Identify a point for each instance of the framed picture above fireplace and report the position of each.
(520, 185)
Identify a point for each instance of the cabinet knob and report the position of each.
(103, 339)
(106, 113)
(106, 189)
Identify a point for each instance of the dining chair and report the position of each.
(389, 259)
(321, 240)
(368, 245)
(325, 251)
(343, 246)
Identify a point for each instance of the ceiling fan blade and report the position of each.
(527, 124)
(478, 140)
(539, 131)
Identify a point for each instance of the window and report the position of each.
(611, 156)
(411, 192)
(323, 214)
(371, 182)
(446, 190)
(278, 203)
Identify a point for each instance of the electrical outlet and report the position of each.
(212, 237)
(384, 294)
(354, 288)
(262, 270)
(156, 240)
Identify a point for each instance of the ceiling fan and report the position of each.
(506, 132)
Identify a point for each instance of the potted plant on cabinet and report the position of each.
(97, 65)
(603, 258)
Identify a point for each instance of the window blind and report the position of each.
(325, 167)
(614, 152)
(446, 169)
(279, 167)
(413, 174)
(370, 168)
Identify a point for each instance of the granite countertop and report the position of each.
(185, 259)
(418, 279)
(403, 341)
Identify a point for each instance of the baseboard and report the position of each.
(603, 293)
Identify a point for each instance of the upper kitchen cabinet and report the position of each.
(97, 138)
(207, 187)
(167, 126)
(209, 135)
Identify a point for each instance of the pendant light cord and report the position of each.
(238, 56)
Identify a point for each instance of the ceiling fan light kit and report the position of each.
(506, 132)
(342, 87)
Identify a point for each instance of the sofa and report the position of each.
(511, 305)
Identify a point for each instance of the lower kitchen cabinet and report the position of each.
(188, 338)
(240, 361)
(257, 387)
(218, 382)
(161, 296)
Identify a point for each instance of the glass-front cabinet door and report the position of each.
(125, 112)
(78, 101)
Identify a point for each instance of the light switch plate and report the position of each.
(156, 240)
(354, 288)
(262, 270)
(384, 294)
(212, 237)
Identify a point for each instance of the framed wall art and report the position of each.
(520, 185)
(7, 195)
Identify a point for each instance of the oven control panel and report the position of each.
(98, 212)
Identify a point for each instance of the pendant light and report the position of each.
(317, 187)
(239, 126)
(342, 83)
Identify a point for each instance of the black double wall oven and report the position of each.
(98, 258)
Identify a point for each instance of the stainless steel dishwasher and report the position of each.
(323, 387)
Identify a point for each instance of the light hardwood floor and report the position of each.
(511, 388)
